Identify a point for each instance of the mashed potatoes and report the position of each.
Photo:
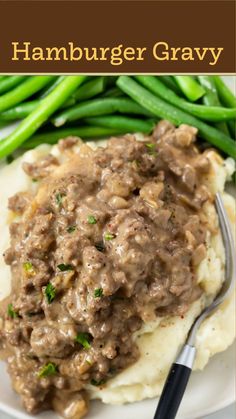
(159, 341)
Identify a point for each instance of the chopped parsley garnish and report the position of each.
(59, 197)
(47, 370)
(34, 180)
(28, 267)
(50, 292)
(83, 339)
(9, 159)
(70, 229)
(98, 292)
(63, 267)
(97, 383)
(100, 246)
(91, 219)
(11, 312)
(151, 148)
(109, 236)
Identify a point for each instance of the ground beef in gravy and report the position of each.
(110, 240)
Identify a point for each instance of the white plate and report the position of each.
(208, 391)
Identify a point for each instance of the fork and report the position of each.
(181, 369)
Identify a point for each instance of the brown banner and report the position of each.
(117, 36)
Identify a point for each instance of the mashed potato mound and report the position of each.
(158, 341)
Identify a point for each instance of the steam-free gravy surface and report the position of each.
(110, 240)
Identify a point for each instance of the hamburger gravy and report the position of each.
(110, 240)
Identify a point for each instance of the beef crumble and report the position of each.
(110, 240)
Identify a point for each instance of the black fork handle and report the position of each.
(176, 384)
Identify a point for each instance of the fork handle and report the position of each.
(176, 384)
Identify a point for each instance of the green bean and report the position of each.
(232, 128)
(22, 110)
(171, 83)
(3, 124)
(211, 99)
(9, 82)
(113, 92)
(68, 103)
(41, 114)
(23, 91)
(48, 89)
(98, 107)
(86, 91)
(191, 89)
(226, 96)
(208, 113)
(122, 122)
(90, 89)
(111, 80)
(163, 110)
(3, 77)
(88, 132)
